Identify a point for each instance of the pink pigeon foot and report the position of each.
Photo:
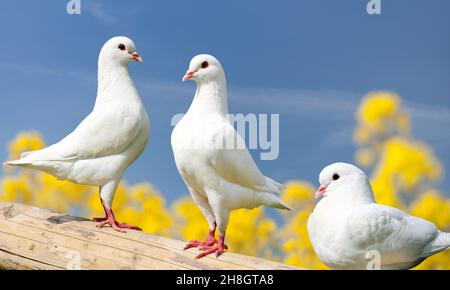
(219, 249)
(210, 241)
(112, 222)
(117, 226)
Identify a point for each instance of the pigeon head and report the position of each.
(204, 67)
(119, 50)
(342, 178)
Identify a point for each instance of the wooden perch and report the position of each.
(33, 238)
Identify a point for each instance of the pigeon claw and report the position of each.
(218, 250)
(210, 247)
(117, 226)
(201, 245)
(210, 241)
(192, 244)
(130, 227)
(112, 222)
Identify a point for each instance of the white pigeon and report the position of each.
(349, 230)
(220, 177)
(108, 140)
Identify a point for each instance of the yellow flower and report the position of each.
(190, 222)
(365, 157)
(433, 206)
(250, 231)
(378, 106)
(297, 246)
(25, 141)
(362, 135)
(407, 163)
(379, 116)
(298, 194)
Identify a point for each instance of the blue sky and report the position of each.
(310, 61)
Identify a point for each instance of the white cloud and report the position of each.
(36, 69)
(315, 104)
(159, 86)
(99, 11)
(429, 114)
(430, 122)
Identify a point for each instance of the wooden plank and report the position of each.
(33, 238)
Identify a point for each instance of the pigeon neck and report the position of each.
(212, 95)
(114, 82)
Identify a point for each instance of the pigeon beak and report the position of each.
(189, 75)
(320, 192)
(135, 55)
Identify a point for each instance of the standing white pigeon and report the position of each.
(212, 158)
(108, 140)
(349, 230)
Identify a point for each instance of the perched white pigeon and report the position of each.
(108, 140)
(212, 158)
(349, 230)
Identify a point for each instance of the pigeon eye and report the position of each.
(205, 64)
(336, 176)
(121, 46)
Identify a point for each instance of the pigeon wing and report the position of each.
(391, 231)
(232, 160)
(104, 133)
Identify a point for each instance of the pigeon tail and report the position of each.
(272, 200)
(36, 158)
(23, 161)
(19, 162)
(443, 239)
(439, 244)
(274, 185)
